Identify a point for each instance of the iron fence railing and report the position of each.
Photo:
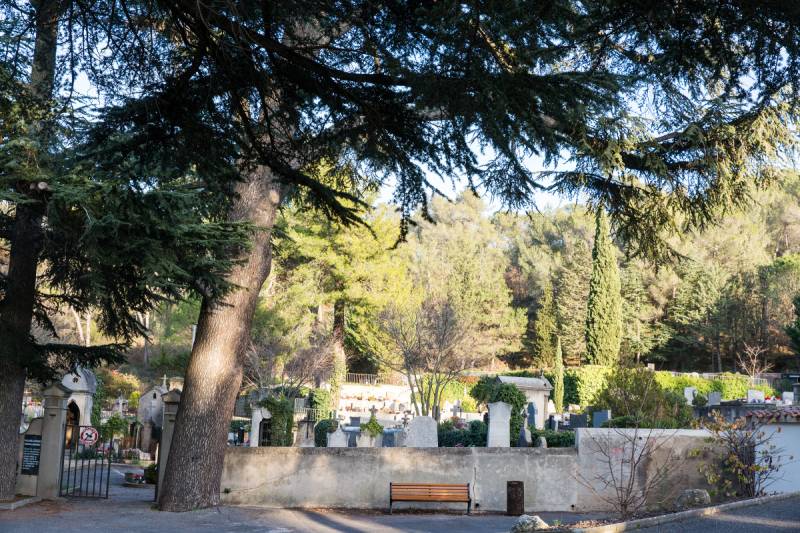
(375, 379)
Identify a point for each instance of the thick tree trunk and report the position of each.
(214, 375)
(26, 239)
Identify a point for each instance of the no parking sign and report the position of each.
(88, 436)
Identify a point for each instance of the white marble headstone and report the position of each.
(499, 425)
(714, 398)
(755, 396)
(788, 398)
(422, 433)
(337, 439)
(689, 393)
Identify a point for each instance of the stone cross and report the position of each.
(406, 418)
(164, 381)
(373, 411)
(456, 410)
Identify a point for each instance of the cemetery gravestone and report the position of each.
(755, 396)
(714, 398)
(499, 425)
(600, 417)
(689, 393)
(788, 398)
(337, 439)
(532, 415)
(577, 421)
(422, 433)
(524, 440)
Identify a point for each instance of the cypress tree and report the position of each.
(604, 311)
(544, 329)
(558, 379)
(572, 291)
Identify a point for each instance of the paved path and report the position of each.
(771, 517)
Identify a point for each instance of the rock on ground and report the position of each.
(692, 498)
(527, 523)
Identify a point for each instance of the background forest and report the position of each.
(522, 279)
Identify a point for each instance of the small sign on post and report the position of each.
(31, 453)
(88, 436)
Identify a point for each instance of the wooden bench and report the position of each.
(429, 492)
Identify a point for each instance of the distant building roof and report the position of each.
(527, 383)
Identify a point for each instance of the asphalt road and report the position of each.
(770, 517)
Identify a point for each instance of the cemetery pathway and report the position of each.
(770, 517)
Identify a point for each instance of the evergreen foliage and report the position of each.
(572, 292)
(604, 309)
(544, 346)
(558, 379)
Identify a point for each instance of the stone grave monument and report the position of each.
(499, 425)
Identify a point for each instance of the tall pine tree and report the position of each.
(604, 310)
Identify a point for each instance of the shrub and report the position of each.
(635, 393)
(320, 399)
(282, 420)
(321, 431)
(745, 459)
(372, 427)
(473, 434)
(490, 389)
(582, 384)
(555, 439)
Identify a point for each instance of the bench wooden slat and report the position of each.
(429, 492)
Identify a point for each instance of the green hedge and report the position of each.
(555, 439)
(582, 384)
(472, 435)
(282, 420)
(321, 431)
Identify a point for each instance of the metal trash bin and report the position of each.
(515, 498)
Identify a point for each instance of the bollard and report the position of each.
(515, 498)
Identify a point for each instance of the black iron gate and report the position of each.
(86, 463)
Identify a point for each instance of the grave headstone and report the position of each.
(600, 417)
(755, 396)
(577, 421)
(337, 439)
(499, 425)
(541, 442)
(365, 440)
(796, 393)
(714, 398)
(788, 398)
(524, 440)
(355, 421)
(689, 393)
(532, 412)
(422, 433)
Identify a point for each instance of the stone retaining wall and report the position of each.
(360, 477)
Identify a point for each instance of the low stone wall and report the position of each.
(360, 477)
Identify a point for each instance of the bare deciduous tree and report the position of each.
(752, 361)
(632, 467)
(432, 342)
(269, 362)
